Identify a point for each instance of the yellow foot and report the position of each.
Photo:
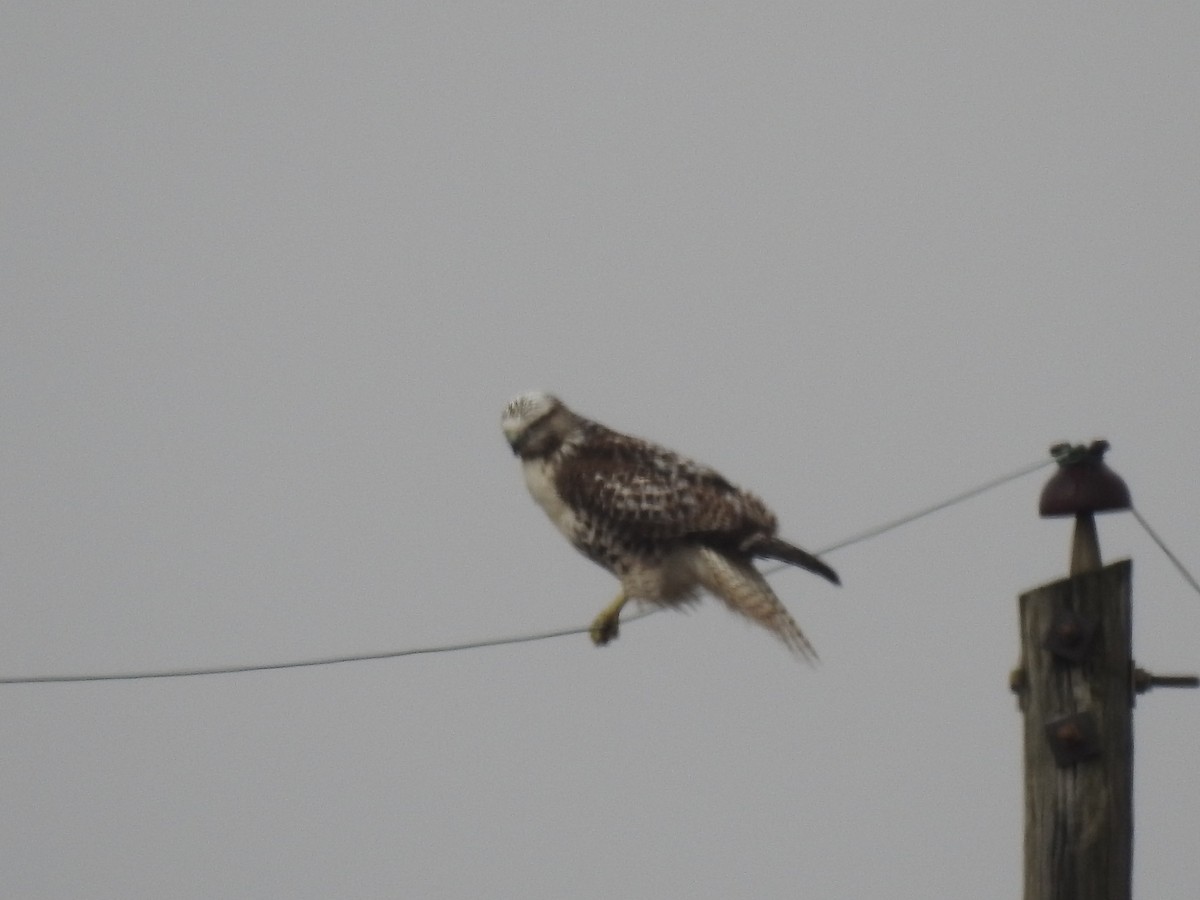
(608, 623)
(605, 628)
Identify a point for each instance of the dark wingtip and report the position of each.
(774, 548)
(828, 574)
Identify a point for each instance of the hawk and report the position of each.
(665, 525)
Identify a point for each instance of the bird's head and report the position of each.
(535, 424)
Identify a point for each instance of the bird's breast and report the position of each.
(539, 478)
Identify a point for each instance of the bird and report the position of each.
(666, 526)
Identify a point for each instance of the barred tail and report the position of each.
(745, 591)
(774, 548)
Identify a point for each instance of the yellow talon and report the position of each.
(608, 623)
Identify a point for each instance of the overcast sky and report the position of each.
(269, 275)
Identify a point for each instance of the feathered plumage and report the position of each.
(665, 525)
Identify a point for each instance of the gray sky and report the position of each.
(269, 276)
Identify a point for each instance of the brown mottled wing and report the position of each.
(649, 493)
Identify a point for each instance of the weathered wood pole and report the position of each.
(1077, 698)
(1076, 687)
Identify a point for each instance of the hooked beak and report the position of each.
(517, 442)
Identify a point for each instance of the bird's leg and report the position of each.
(608, 623)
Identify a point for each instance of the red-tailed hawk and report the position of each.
(666, 526)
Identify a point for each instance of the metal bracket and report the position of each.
(1143, 681)
(1073, 738)
(1070, 636)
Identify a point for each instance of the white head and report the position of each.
(525, 413)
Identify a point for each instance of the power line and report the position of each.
(929, 510)
(538, 636)
(1163, 547)
(326, 661)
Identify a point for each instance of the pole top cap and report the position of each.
(1083, 483)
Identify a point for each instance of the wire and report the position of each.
(544, 635)
(327, 661)
(1163, 547)
(927, 511)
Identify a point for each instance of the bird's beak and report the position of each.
(517, 442)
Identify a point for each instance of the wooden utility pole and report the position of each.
(1076, 683)
(1077, 703)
